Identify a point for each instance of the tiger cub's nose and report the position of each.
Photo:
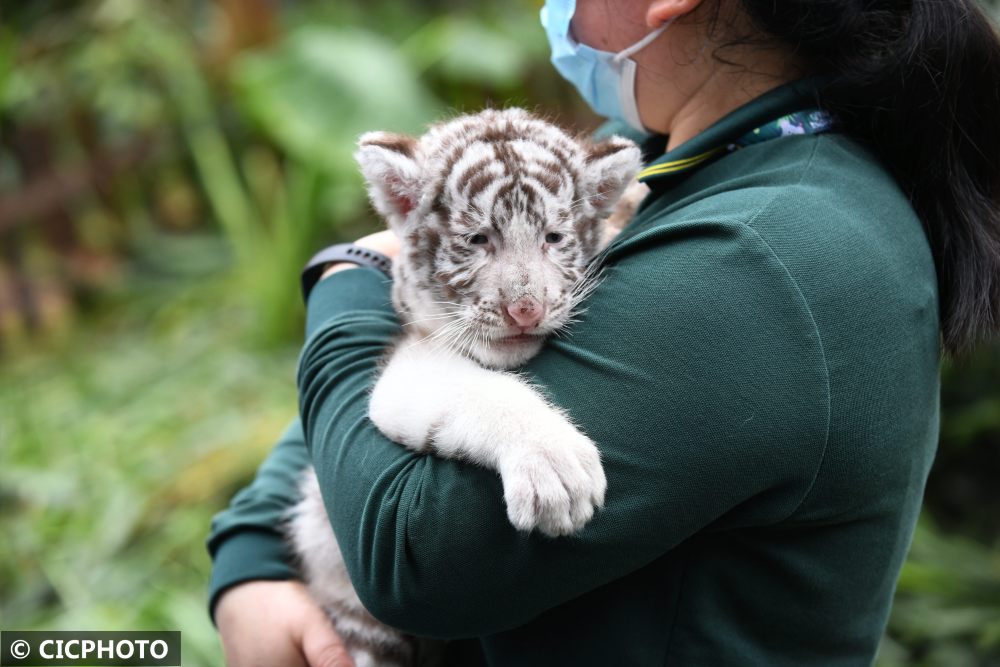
(526, 312)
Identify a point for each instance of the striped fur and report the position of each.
(494, 210)
(513, 177)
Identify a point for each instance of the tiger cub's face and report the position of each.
(499, 214)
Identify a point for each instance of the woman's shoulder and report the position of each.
(826, 207)
(815, 179)
(846, 231)
(819, 229)
(818, 217)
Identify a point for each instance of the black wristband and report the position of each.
(341, 252)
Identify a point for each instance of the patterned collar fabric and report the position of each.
(811, 121)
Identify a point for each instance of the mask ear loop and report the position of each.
(642, 43)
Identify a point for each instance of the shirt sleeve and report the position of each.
(246, 541)
(696, 368)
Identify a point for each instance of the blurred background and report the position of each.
(165, 169)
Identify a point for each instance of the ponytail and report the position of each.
(919, 82)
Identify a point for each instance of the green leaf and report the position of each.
(468, 50)
(323, 87)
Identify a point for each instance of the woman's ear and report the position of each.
(609, 167)
(390, 165)
(661, 11)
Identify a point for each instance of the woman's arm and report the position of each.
(246, 541)
(698, 371)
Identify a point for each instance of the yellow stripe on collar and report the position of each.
(677, 165)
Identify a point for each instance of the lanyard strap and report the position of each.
(807, 121)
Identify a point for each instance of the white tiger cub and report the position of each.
(498, 214)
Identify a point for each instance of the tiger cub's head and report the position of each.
(498, 213)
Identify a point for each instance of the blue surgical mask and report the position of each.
(605, 80)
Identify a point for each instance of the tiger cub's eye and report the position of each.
(478, 239)
(553, 237)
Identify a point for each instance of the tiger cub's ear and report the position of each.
(390, 165)
(609, 167)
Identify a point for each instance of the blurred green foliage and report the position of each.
(160, 383)
(116, 451)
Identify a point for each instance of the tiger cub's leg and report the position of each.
(370, 643)
(435, 401)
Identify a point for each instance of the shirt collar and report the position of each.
(730, 131)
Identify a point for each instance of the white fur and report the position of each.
(551, 472)
(394, 179)
(609, 176)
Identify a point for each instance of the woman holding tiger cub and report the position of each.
(759, 369)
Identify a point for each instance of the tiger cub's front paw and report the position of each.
(553, 480)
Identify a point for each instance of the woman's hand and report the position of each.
(385, 242)
(267, 623)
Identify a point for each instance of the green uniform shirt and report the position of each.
(759, 369)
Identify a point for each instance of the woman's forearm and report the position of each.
(686, 436)
(245, 541)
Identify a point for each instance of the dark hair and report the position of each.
(919, 82)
